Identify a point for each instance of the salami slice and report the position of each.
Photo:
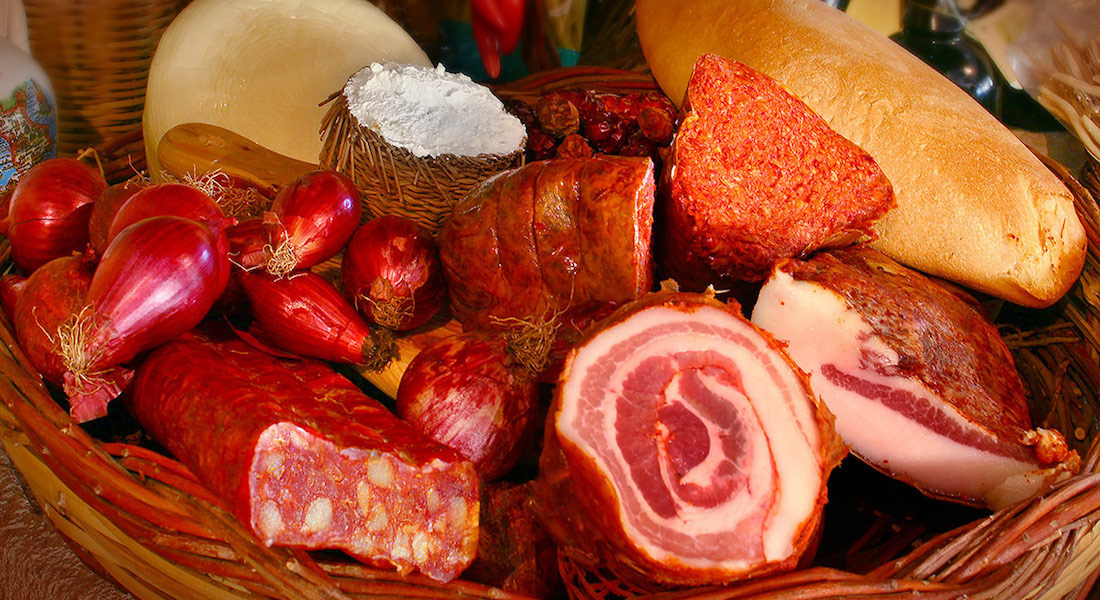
(701, 452)
(305, 459)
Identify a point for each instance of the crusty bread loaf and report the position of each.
(974, 204)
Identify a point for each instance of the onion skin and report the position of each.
(50, 296)
(247, 242)
(311, 220)
(104, 210)
(11, 287)
(176, 199)
(392, 273)
(305, 314)
(464, 392)
(157, 280)
(50, 209)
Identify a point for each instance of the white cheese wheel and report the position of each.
(260, 68)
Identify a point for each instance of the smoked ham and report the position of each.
(754, 176)
(684, 447)
(533, 241)
(922, 385)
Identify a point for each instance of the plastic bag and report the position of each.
(1056, 59)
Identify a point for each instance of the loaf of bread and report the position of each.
(974, 205)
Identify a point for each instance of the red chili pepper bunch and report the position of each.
(497, 26)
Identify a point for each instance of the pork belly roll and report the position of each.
(684, 447)
(922, 385)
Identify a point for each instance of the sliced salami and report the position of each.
(304, 459)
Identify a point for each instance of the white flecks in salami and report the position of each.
(319, 515)
(431, 499)
(271, 521)
(380, 472)
(458, 513)
(421, 547)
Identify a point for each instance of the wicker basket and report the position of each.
(393, 181)
(144, 519)
(97, 54)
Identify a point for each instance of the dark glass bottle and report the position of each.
(934, 31)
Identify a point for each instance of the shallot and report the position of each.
(50, 297)
(466, 392)
(49, 212)
(157, 280)
(309, 222)
(104, 210)
(179, 200)
(392, 273)
(11, 287)
(305, 314)
(176, 199)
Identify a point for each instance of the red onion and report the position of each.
(179, 200)
(248, 245)
(51, 295)
(156, 281)
(166, 199)
(305, 314)
(11, 287)
(49, 212)
(392, 273)
(310, 221)
(105, 208)
(464, 392)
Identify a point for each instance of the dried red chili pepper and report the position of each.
(508, 35)
(487, 45)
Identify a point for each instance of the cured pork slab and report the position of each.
(684, 447)
(922, 385)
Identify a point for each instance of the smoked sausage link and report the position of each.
(305, 459)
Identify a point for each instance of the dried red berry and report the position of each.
(638, 145)
(522, 111)
(539, 145)
(656, 125)
(557, 115)
(574, 146)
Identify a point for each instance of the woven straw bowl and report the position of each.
(97, 54)
(393, 181)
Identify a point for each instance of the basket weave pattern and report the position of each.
(97, 55)
(393, 181)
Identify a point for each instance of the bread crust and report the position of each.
(975, 206)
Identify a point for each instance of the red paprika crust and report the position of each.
(754, 176)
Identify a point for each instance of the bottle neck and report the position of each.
(938, 19)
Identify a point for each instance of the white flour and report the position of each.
(431, 112)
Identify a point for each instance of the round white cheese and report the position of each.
(261, 68)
